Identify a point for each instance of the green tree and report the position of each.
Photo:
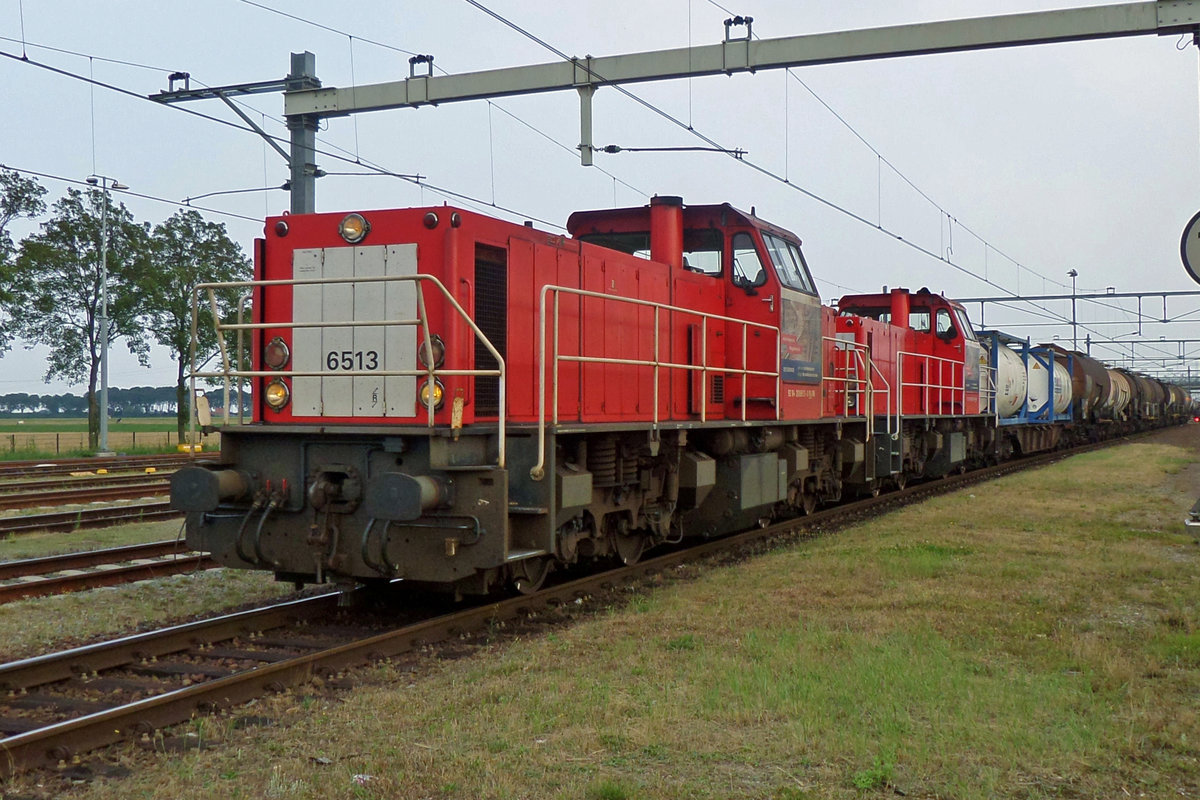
(187, 250)
(54, 290)
(20, 197)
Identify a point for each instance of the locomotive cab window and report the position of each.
(702, 250)
(964, 324)
(945, 325)
(881, 314)
(748, 270)
(918, 319)
(789, 264)
(702, 247)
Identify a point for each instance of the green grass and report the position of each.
(29, 627)
(75, 425)
(40, 438)
(34, 545)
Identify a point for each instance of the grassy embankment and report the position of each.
(1035, 637)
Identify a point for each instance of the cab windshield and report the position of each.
(789, 263)
(964, 324)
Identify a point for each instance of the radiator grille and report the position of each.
(718, 389)
(491, 315)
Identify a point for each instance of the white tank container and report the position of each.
(1011, 382)
(1118, 398)
(1064, 389)
(1039, 386)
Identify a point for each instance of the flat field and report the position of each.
(22, 437)
(79, 425)
(1035, 637)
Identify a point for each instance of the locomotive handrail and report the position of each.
(989, 394)
(862, 367)
(248, 296)
(539, 469)
(887, 402)
(957, 386)
(429, 372)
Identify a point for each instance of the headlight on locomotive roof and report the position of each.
(276, 354)
(354, 228)
(277, 394)
(439, 351)
(439, 394)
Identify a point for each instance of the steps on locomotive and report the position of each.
(535, 511)
(889, 459)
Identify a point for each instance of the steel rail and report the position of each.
(15, 469)
(46, 565)
(66, 521)
(111, 576)
(50, 483)
(84, 494)
(61, 741)
(28, 673)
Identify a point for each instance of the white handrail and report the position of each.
(956, 387)
(887, 403)
(539, 469)
(858, 386)
(422, 321)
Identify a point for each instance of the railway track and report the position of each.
(29, 469)
(38, 577)
(89, 493)
(8, 488)
(63, 704)
(66, 521)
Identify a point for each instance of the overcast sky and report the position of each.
(1078, 156)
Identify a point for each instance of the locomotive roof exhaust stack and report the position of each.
(900, 307)
(666, 230)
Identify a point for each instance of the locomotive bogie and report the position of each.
(351, 505)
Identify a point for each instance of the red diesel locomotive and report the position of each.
(463, 402)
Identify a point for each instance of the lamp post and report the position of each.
(1072, 274)
(105, 183)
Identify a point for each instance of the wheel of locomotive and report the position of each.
(901, 480)
(626, 543)
(528, 574)
(808, 503)
(629, 546)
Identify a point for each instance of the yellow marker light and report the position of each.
(354, 228)
(439, 394)
(277, 394)
(276, 354)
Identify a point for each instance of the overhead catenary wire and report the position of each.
(884, 160)
(440, 190)
(329, 28)
(749, 163)
(127, 192)
(439, 68)
(356, 159)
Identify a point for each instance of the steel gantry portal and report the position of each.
(306, 102)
